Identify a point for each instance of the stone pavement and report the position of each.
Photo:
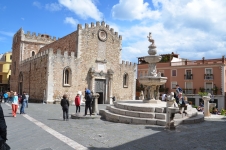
(94, 134)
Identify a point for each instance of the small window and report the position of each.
(174, 73)
(125, 80)
(67, 77)
(173, 85)
(33, 53)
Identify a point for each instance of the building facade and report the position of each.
(205, 75)
(5, 71)
(89, 57)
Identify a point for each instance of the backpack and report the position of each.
(5, 95)
(89, 97)
(180, 90)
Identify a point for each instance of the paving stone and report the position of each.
(100, 134)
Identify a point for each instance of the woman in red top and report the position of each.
(77, 103)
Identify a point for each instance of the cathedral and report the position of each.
(46, 67)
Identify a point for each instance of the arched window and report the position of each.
(32, 53)
(125, 80)
(67, 77)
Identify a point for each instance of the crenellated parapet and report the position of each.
(128, 64)
(49, 52)
(99, 25)
(38, 38)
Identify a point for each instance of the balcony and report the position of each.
(189, 91)
(208, 76)
(188, 76)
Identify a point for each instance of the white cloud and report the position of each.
(37, 4)
(191, 28)
(133, 9)
(83, 8)
(53, 7)
(22, 19)
(71, 21)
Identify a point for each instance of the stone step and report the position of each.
(109, 116)
(186, 120)
(188, 114)
(140, 109)
(137, 114)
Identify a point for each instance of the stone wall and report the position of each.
(67, 43)
(35, 75)
(94, 52)
(57, 63)
(16, 56)
(22, 47)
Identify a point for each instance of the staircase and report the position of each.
(137, 112)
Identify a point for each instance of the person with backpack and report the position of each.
(88, 97)
(178, 91)
(5, 96)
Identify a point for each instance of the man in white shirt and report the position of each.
(164, 97)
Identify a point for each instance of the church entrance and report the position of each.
(100, 88)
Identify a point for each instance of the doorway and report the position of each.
(100, 87)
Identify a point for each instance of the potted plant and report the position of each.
(203, 94)
(223, 111)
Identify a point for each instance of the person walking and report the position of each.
(14, 104)
(26, 99)
(5, 96)
(23, 103)
(77, 103)
(88, 97)
(65, 106)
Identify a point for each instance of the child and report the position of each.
(77, 103)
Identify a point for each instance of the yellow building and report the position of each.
(5, 71)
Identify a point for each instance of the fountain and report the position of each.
(150, 110)
(153, 80)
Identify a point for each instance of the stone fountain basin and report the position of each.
(149, 80)
(152, 59)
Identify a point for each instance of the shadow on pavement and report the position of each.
(205, 135)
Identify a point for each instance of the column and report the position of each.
(206, 100)
(110, 89)
(95, 109)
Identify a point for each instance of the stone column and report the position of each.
(95, 109)
(206, 100)
(110, 89)
(110, 77)
(170, 111)
(91, 82)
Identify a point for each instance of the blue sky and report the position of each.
(191, 28)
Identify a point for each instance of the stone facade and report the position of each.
(89, 57)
